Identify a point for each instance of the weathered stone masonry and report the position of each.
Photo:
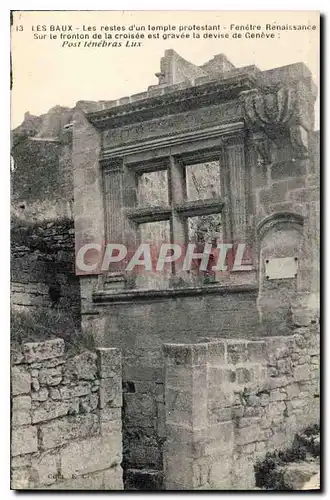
(258, 126)
(228, 402)
(42, 266)
(66, 418)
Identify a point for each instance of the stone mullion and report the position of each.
(177, 195)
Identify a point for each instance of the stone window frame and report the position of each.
(179, 208)
(227, 147)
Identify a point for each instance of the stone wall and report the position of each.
(41, 177)
(65, 418)
(42, 266)
(286, 194)
(228, 402)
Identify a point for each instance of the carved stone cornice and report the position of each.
(220, 130)
(278, 113)
(173, 102)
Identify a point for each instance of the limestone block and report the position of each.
(274, 383)
(110, 427)
(216, 353)
(85, 482)
(237, 352)
(88, 403)
(54, 393)
(20, 461)
(250, 374)
(16, 356)
(220, 473)
(52, 409)
(201, 470)
(257, 351)
(20, 380)
(35, 384)
(108, 362)
(301, 372)
(178, 472)
(185, 354)
(110, 414)
(41, 395)
(243, 473)
(292, 390)
(221, 375)
(46, 363)
(44, 469)
(264, 398)
(81, 367)
(111, 392)
(220, 438)
(24, 440)
(277, 348)
(284, 366)
(20, 479)
(62, 430)
(38, 351)
(21, 403)
(247, 434)
(113, 478)
(274, 409)
(253, 411)
(219, 415)
(248, 421)
(90, 455)
(21, 414)
(81, 389)
(237, 411)
(50, 376)
(278, 395)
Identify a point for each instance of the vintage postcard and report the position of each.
(165, 225)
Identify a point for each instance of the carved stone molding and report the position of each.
(275, 114)
(277, 219)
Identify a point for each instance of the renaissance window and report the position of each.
(184, 198)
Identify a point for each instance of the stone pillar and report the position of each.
(88, 208)
(87, 177)
(186, 415)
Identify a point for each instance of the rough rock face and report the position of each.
(295, 468)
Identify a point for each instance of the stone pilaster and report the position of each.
(186, 413)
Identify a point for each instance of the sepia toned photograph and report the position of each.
(165, 251)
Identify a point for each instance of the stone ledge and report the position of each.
(144, 294)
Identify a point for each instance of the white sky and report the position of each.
(45, 74)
